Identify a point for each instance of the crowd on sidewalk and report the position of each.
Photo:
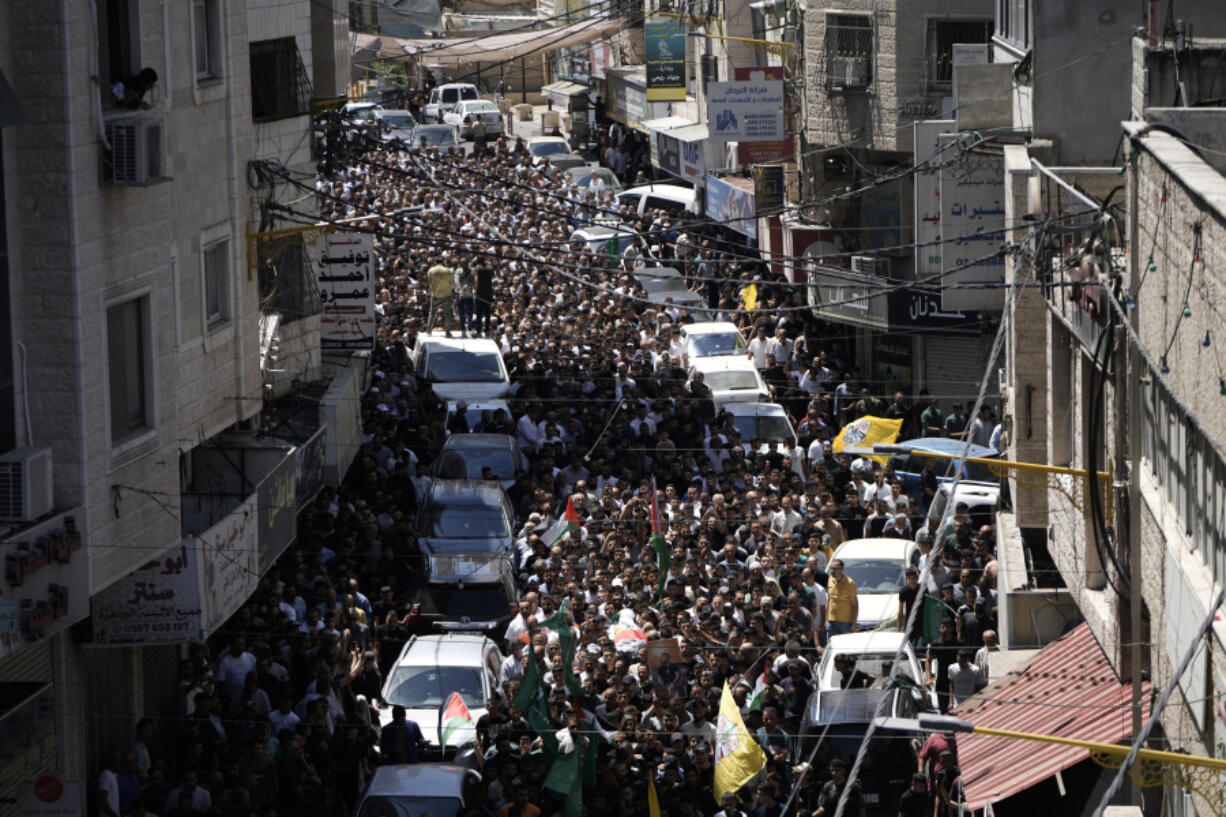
(279, 711)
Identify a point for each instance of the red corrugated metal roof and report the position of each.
(1068, 690)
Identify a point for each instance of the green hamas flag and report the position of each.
(934, 610)
(533, 699)
(663, 562)
(559, 622)
(564, 780)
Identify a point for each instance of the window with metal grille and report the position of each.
(849, 50)
(942, 36)
(280, 87)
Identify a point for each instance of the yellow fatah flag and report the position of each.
(865, 432)
(749, 297)
(738, 757)
(653, 802)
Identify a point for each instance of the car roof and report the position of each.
(403, 111)
(724, 363)
(875, 548)
(456, 85)
(446, 650)
(544, 140)
(873, 641)
(465, 492)
(470, 102)
(460, 344)
(666, 191)
(417, 779)
(479, 441)
(600, 171)
(755, 409)
(710, 328)
(436, 126)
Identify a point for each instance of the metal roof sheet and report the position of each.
(1069, 690)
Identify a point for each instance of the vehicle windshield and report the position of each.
(429, 687)
(465, 522)
(464, 367)
(479, 604)
(548, 148)
(770, 429)
(434, 136)
(875, 575)
(468, 463)
(583, 178)
(731, 380)
(715, 345)
(398, 120)
(451, 95)
(481, 107)
(405, 805)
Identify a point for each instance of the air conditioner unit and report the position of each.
(848, 72)
(874, 265)
(25, 484)
(138, 151)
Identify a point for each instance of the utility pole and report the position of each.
(1130, 379)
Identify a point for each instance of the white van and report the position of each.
(461, 368)
(444, 98)
(673, 199)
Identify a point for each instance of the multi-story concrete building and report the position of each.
(130, 345)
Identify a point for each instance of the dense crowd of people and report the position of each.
(280, 711)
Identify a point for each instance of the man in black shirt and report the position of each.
(828, 800)
(906, 600)
(917, 801)
(484, 296)
(852, 678)
(944, 651)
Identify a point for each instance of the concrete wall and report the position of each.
(880, 118)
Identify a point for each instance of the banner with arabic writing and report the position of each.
(972, 232)
(344, 269)
(157, 602)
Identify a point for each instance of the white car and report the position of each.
(541, 146)
(461, 368)
(466, 113)
(711, 339)
(874, 654)
(769, 425)
(878, 567)
(445, 97)
(674, 199)
(429, 669)
(730, 379)
(412, 790)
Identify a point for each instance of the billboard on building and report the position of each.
(732, 205)
(972, 231)
(343, 264)
(158, 602)
(759, 152)
(745, 111)
(665, 38)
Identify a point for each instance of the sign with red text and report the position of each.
(45, 584)
(344, 270)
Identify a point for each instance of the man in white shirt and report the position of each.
(785, 520)
(758, 348)
(528, 433)
(233, 666)
(108, 786)
(813, 378)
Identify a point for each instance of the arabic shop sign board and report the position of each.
(745, 111)
(27, 736)
(928, 144)
(345, 273)
(921, 309)
(759, 152)
(665, 39)
(309, 468)
(278, 508)
(229, 563)
(843, 296)
(49, 795)
(972, 231)
(158, 602)
(45, 587)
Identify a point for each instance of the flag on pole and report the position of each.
(657, 541)
(565, 781)
(569, 523)
(933, 611)
(738, 757)
(559, 622)
(865, 432)
(533, 699)
(456, 719)
(755, 679)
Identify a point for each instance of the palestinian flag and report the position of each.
(657, 541)
(755, 679)
(569, 523)
(456, 718)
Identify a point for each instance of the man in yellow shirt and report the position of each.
(844, 607)
(442, 292)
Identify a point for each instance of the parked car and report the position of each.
(839, 718)
(466, 456)
(878, 567)
(609, 240)
(441, 136)
(711, 339)
(468, 111)
(583, 177)
(395, 124)
(445, 97)
(420, 789)
(461, 368)
(541, 146)
(431, 667)
(674, 199)
(556, 163)
(730, 379)
(461, 522)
